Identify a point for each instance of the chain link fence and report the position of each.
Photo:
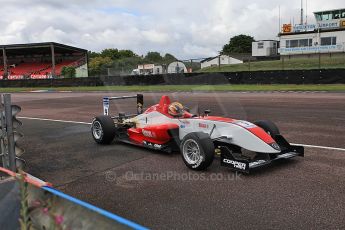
(131, 66)
(249, 64)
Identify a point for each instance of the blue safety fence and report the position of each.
(118, 219)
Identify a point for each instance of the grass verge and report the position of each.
(176, 88)
(288, 64)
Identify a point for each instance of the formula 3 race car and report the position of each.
(241, 145)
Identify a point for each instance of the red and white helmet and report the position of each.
(176, 109)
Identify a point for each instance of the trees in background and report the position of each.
(124, 61)
(168, 58)
(68, 71)
(153, 57)
(116, 54)
(97, 63)
(239, 44)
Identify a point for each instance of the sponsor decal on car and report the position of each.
(202, 125)
(286, 155)
(245, 124)
(148, 133)
(275, 146)
(236, 164)
(152, 145)
(184, 124)
(259, 162)
(106, 103)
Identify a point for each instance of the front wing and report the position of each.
(231, 160)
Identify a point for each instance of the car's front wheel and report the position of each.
(197, 150)
(268, 126)
(103, 129)
(272, 130)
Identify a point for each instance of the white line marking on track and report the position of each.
(87, 123)
(45, 119)
(319, 147)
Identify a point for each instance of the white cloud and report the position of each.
(198, 51)
(194, 28)
(155, 36)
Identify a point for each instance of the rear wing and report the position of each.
(140, 103)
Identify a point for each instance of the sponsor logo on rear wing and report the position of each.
(139, 97)
(106, 103)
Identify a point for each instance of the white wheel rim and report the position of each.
(97, 130)
(191, 151)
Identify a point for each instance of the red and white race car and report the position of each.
(241, 145)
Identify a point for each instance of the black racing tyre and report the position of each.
(197, 150)
(103, 129)
(268, 126)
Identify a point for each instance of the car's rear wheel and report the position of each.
(197, 150)
(103, 129)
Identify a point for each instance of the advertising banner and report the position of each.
(303, 28)
(324, 25)
(315, 49)
(329, 24)
(146, 66)
(287, 28)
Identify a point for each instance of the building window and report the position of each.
(326, 16)
(303, 43)
(299, 43)
(260, 45)
(318, 16)
(328, 41)
(336, 14)
(294, 43)
(330, 15)
(310, 42)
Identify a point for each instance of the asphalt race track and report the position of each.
(158, 191)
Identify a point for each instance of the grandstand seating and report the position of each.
(37, 70)
(27, 68)
(34, 61)
(58, 67)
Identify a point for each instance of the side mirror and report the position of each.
(207, 112)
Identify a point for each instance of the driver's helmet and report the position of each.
(175, 109)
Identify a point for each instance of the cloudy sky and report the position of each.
(187, 29)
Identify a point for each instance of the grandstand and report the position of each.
(40, 60)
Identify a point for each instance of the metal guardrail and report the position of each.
(9, 151)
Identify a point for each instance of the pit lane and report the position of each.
(158, 191)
